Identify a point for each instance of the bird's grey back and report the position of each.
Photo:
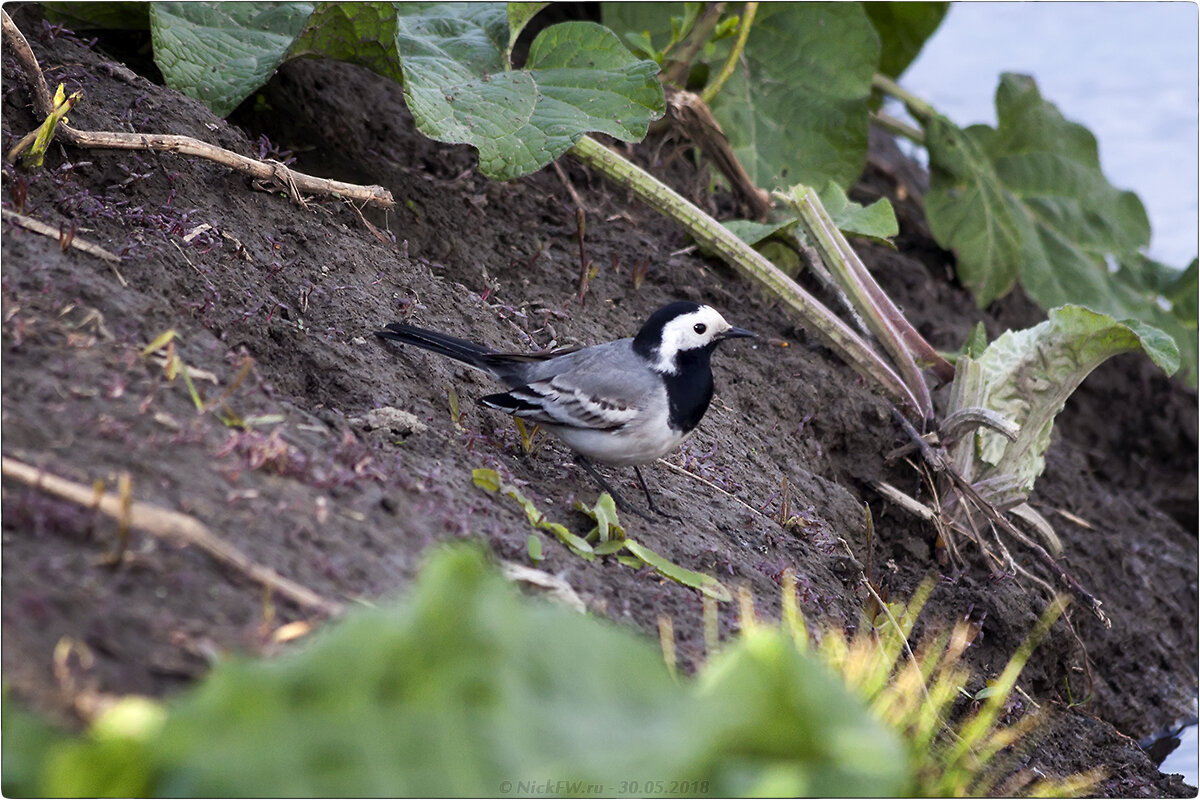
(612, 371)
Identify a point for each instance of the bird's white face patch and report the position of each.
(691, 331)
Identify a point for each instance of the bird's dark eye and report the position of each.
(700, 328)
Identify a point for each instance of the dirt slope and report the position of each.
(347, 509)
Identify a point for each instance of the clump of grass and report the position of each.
(959, 752)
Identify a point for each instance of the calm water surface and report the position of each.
(1128, 71)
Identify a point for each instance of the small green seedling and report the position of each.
(489, 481)
(612, 540)
(533, 546)
(608, 533)
(528, 435)
(455, 414)
(36, 152)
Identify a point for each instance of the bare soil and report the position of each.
(348, 510)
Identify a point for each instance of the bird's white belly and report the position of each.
(635, 444)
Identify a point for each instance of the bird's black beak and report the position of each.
(738, 333)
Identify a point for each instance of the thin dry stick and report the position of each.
(581, 234)
(712, 485)
(294, 182)
(170, 525)
(37, 226)
(566, 182)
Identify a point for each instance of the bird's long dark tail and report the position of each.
(459, 349)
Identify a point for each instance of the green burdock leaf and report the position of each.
(1028, 375)
(876, 221)
(706, 584)
(1182, 293)
(1027, 200)
(903, 29)
(796, 112)
(106, 16)
(578, 78)
(361, 33)
(970, 212)
(519, 15)
(453, 59)
(219, 53)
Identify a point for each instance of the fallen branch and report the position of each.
(169, 525)
(290, 180)
(37, 226)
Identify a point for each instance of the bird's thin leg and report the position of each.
(650, 500)
(621, 502)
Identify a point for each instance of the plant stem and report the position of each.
(730, 64)
(915, 105)
(898, 127)
(834, 333)
(680, 63)
(893, 330)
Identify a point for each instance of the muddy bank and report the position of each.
(346, 507)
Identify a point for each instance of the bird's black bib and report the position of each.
(690, 389)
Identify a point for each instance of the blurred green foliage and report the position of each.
(469, 689)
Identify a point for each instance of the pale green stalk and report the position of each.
(710, 92)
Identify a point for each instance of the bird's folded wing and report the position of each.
(558, 401)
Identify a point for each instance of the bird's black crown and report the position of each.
(650, 336)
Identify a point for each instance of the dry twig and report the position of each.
(37, 226)
(170, 525)
(272, 171)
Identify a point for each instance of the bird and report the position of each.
(622, 403)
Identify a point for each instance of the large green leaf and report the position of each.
(106, 16)
(361, 33)
(970, 212)
(468, 689)
(26, 741)
(578, 78)
(451, 57)
(519, 15)
(903, 29)
(758, 690)
(1027, 200)
(795, 110)
(1028, 375)
(219, 53)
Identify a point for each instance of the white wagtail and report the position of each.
(622, 403)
